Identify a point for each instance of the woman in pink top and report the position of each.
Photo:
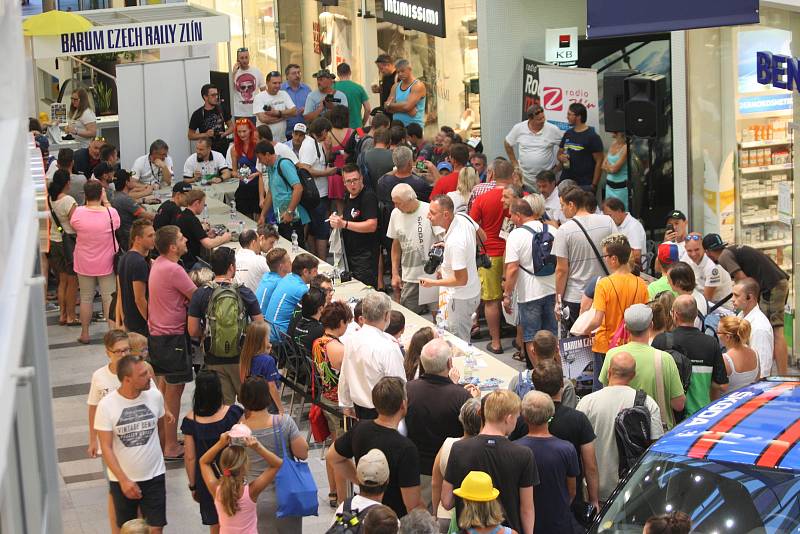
(96, 245)
(234, 499)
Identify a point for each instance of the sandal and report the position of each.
(333, 500)
(518, 356)
(475, 333)
(493, 350)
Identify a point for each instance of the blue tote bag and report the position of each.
(294, 484)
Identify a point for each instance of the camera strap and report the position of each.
(481, 249)
(591, 243)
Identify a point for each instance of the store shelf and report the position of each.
(764, 144)
(767, 168)
(760, 194)
(749, 221)
(771, 244)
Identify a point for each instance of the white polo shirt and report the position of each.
(552, 206)
(537, 150)
(210, 167)
(761, 339)
(147, 172)
(634, 231)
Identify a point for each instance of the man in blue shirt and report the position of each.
(288, 293)
(280, 264)
(283, 194)
(298, 91)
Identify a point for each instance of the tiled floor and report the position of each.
(83, 487)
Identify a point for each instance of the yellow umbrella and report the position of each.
(55, 23)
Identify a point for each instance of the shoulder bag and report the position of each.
(117, 251)
(68, 240)
(295, 488)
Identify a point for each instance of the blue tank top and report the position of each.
(401, 95)
(619, 176)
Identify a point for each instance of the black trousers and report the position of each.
(365, 413)
(285, 230)
(364, 265)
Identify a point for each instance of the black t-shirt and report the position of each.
(198, 307)
(571, 425)
(698, 347)
(83, 162)
(203, 120)
(434, 403)
(511, 467)
(360, 209)
(401, 454)
(580, 146)
(304, 330)
(167, 214)
(754, 264)
(388, 181)
(192, 230)
(133, 267)
(387, 81)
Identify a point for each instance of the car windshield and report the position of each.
(719, 497)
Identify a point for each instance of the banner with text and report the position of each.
(555, 88)
(141, 36)
(426, 16)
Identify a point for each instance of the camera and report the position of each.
(331, 98)
(267, 107)
(482, 261)
(435, 258)
(238, 441)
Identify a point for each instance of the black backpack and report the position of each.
(349, 521)
(682, 361)
(544, 261)
(632, 432)
(310, 198)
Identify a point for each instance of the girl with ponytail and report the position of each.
(235, 498)
(741, 362)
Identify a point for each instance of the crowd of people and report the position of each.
(525, 242)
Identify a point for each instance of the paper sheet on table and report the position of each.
(428, 295)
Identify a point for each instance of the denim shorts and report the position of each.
(537, 315)
(318, 228)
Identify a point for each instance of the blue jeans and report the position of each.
(537, 315)
(599, 358)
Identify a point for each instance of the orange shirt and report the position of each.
(613, 295)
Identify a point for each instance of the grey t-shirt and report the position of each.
(315, 97)
(76, 183)
(568, 396)
(571, 243)
(127, 207)
(379, 162)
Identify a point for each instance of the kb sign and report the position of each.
(561, 46)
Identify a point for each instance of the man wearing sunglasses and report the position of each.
(273, 106)
(211, 121)
(246, 84)
(537, 141)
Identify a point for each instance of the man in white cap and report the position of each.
(298, 136)
(656, 372)
(372, 474)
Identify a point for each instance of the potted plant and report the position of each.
(104, 98)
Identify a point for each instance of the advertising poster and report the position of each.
(576, 354)
(555, 88)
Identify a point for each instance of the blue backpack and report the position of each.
(544, 262)
(524, 384)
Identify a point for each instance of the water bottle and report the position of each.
(241, 226)
(440, 323)
(337, 278)
(295, 243)
(233, 210)
(205, 213)
(469, 365)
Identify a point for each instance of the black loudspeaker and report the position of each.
(222, 82)
(645, 105)
(614, 99)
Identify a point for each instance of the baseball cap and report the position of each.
(713, 242)
(668, 253)
(676, 214)
(384, 58)
(444, 166)
(300, 127)
(638, 317)
(181, 187)
(373, 469)
(324, 73)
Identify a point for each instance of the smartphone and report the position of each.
(420, 165)
(670, 228)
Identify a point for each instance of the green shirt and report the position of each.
(356, 96)
(662, 284)
(645, 378)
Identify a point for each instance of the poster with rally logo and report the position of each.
(555, 88)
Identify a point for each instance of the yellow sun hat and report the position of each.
(477, 486)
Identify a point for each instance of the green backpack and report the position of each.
(226, 321)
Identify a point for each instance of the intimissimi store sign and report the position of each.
(426, 16)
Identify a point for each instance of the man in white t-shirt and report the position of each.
(205, 164)
(154, 168)
(602, 407)
(537, 141)
(273, 106)
(746, 293)
(577, 261)
(535, 292)
(246, 83)
(372, 474)
(312, 157)
(412, 236)
(629, 226)
(711, 279)
(458, 271)
(546, 184)
(250, 264)
(127, 423)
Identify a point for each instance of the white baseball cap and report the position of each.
(300, 127)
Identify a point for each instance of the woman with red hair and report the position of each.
(243, 156)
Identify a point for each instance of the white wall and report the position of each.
(505, 36)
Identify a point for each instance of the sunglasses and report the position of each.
(273, 74)
(98, 138)
(693, 237)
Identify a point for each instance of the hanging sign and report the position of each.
(137, 36)
(561, 46)
(426, 16)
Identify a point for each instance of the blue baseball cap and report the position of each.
(444, 166)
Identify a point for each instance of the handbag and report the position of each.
(295, 488)
(316, 416)
(117, 251)
(68, 240)
(169, 354)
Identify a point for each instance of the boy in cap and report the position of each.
(169, 210)
(372, 474)
(656, 372)
(668, 255)
(676, 220)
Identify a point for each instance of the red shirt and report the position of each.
(445, 184)
(488, 212)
